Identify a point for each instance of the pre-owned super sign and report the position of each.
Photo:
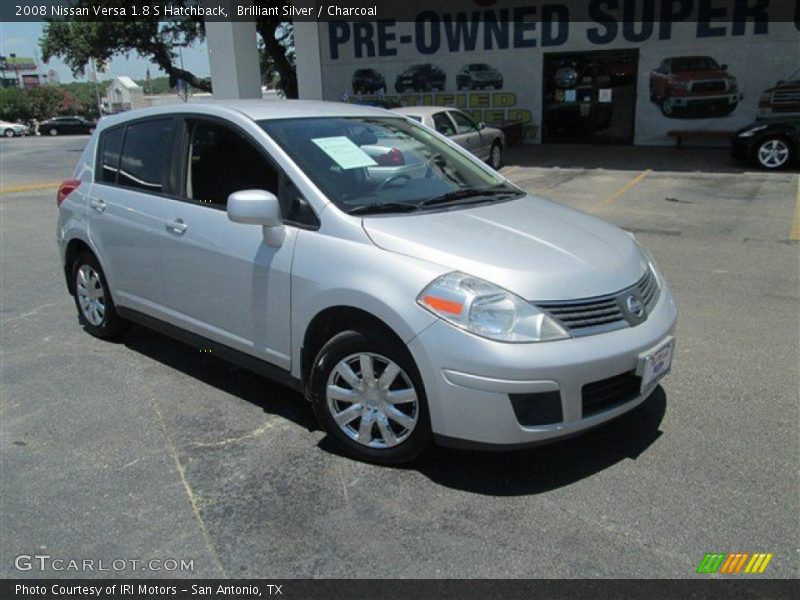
(549, 25)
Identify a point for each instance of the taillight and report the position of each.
(393, 158)
(65, 189)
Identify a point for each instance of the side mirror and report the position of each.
(724, 67)
(481, 125)
(258, 207)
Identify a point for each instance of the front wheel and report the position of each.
(9, 133)
(368, 395)
(96, 310)
(53, 131)
(774, 153)
(496, 156)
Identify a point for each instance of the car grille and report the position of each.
(709, 86)
(608, 393)
(603, 313)
(786, 97)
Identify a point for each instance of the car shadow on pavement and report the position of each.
(270, 396)
(547, 467)
(497, 473)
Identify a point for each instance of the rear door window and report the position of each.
(443, 124)
(146, 154)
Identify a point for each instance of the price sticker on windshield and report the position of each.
(344, 152)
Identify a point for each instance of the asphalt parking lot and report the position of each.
(147, 449)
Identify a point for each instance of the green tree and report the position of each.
(81, 42)
(38, 103)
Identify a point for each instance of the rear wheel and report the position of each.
(96, 310)
(367, 393)
(53, 131)
(774, 153)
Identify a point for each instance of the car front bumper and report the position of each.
(470, 381)
(706, 100)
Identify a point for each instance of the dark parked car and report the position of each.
(66, 126)
(421, 78)
(771, 144)
(479, 76)
(368, 81)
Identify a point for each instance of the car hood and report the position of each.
(535, 248)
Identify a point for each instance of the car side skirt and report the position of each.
(241, 359)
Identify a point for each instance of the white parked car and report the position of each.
(409, 291)
(487, 143)
(9, 129)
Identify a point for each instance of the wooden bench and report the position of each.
(705, 134)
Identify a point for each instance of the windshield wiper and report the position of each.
(383, 207)
(464, 194)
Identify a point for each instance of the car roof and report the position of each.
(422, 111)
(257, 110)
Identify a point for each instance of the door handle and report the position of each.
(177, 226)
(98, 204)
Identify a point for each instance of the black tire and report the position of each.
(495, 163)
(53, 131)
(112, 325)
(9, 133)
(352, 342)
(767, 140)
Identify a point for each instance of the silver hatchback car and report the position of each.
(410, 292)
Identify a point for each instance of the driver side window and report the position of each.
(222, 161)
(463, 123)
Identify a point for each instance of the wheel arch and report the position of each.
(333, 320)
(73, 248)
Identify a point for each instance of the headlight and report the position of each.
(487, 310)
(752, 131)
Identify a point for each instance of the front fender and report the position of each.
(332, 272)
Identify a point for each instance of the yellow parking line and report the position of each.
(795, 233)
(27, 187)
(609, 200)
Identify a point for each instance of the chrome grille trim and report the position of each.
(590, 316)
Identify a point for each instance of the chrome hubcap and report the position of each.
(372, 400)
(496, 156)
(91, 296)
(773, 153)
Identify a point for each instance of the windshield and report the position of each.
(795, 76)
(369, 164)
(479, 67)
(694, 63)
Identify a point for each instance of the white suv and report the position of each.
(410, 292)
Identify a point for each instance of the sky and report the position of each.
(23, 40)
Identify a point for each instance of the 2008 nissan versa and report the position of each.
(413, 294)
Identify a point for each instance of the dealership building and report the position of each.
(703, 66)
